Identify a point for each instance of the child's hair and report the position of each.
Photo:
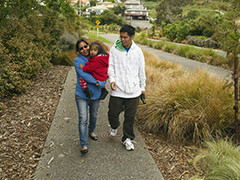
(101, 50)
(129, 29)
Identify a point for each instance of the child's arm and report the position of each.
(91, 66)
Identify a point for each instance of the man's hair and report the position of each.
(128, 29)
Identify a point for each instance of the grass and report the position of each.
(151, 4)
(199, 54)
(93, 35)
(219, 160)
(185, 106)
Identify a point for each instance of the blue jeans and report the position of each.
(82, 106)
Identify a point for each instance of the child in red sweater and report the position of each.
(97, 66)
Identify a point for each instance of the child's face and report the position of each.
(94, 50)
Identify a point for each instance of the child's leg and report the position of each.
(83, 83)
(84, 86)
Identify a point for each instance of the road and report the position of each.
(188, 64)
(144, 24)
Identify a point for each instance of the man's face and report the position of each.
(126, 39)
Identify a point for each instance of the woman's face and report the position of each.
(83, 49)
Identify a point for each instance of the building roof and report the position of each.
(97, 7)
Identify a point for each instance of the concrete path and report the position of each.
(107, 158)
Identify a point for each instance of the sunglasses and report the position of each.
(81, 48)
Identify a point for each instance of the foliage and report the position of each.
(65, 58)
(170, 10)
(108, 17)
(153, 13)
(185, 106)
(119, 9)
(93, 2)
(219, 160)
(29, 40)
(193, 14)
(93, 35)
(228, 32)
(206, 25)
(202, 42)
(178, 30)
(203, 55)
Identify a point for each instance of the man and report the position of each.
(127, 80)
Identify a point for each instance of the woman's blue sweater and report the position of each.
(91, 81)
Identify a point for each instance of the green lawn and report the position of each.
(93, 35)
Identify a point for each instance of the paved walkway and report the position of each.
(107, 158)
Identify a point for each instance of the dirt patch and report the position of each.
(25, 124)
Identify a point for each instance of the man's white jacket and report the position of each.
(127, 69)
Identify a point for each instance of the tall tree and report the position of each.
(169, 11)
(229, 36)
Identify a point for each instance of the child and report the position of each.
(97, 66)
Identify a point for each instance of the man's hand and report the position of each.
(81, 66)
(113, 86)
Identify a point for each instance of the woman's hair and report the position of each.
(78, 42)
(101, 50)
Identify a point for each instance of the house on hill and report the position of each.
(83, 2)
(106, 4)
(97, 9)
(135, 11)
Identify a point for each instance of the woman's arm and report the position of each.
(85, 76)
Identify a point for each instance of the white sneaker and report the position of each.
(113, 132)
(128, 144)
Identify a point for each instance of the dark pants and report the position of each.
(129, 106)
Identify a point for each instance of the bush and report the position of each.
(68, 41)
(219, 160)
(208, 43)
(65, 58)
(186, 106)
(27, 46)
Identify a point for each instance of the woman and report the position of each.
(84, 102)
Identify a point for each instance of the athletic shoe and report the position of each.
(113, 132)
(128, 144)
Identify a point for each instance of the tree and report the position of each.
(108, 17)
(170, 10)
(119, 10)
(228, 33)
(93, 2)
(16, 8)
(193, 14)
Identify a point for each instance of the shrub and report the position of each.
(171, 31)
(27, 46)
(68, 41)
(65, 58)
(209, 43)
(185, 105)
(218, 160)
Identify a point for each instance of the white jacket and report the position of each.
(127, 69)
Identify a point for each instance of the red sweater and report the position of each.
(97, 66)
